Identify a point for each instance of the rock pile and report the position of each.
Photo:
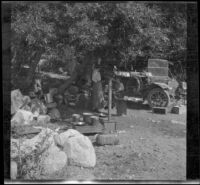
(57, 150)
(25, 110)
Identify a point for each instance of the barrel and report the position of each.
(107, 139)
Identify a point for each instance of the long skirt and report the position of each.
(121, 107)
(97, 96)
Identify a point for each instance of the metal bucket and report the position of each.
(76, 117)
(87, 118)
(94, 120)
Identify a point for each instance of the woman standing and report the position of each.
(121, 105)
(97, 92)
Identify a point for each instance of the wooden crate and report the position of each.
(178, 110)
(109, 126)
(160, 110)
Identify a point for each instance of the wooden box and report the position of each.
(178, 110)
(109, 126)
(160, 110)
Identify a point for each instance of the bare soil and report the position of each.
(152, 147)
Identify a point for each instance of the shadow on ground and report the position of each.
(138, 106)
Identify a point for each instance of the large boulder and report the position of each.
(43, 140)
(53, 160)
(22, 117)
(78, 148)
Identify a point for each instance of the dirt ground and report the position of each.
(152, 147)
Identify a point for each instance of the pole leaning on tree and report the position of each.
(109, 98)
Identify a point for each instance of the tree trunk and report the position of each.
(26, 83)
(33, 66)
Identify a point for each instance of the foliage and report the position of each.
(119, 33)
(30, 166)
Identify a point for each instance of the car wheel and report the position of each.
(158, 97)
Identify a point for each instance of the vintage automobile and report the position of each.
(152, 85)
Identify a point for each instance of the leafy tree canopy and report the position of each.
(119, 33)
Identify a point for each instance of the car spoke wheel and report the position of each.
(158, 97)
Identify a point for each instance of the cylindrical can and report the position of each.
(87, 118)
(94, 120)
(76, 117)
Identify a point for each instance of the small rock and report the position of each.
(27, 99)
(118, 155)
(120, 146)
(32, 94)
(54, 113)
(139, 155)
(43, 119)
(58, 141)
(106, 163)
(38, 106)
(16, 100)
(13, 170)
(177, 122)
(22, 117)
(121, 131)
